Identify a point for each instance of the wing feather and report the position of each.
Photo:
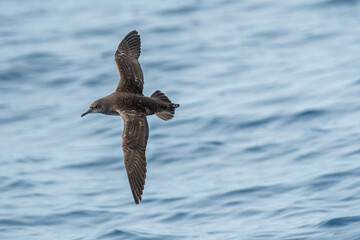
(126, 60)
(135, 137)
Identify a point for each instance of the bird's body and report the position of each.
(122, 102)
(129, 102)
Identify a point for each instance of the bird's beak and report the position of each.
(89, 111)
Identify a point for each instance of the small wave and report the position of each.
(229, 124)
(12, 223)
(11, 75)
(352, 153)
(166, 29)
(119, 233)
(97, 80)
(94, 32)
(257, 122)
(307, 156)
(306, 115)
(171, 200)
(59, 82)
(135, 234)
(341, 221)
(184, 10)
(310, 113)
(260, 148)
(322, 185)
(179, 216)
(340, 175)
(339, 2)
(12, 119)
(19, 184)
(105, 162)
(356, 82)
(256, 191)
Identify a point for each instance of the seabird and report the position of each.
(129, 102)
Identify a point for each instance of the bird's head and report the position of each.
(96, 107)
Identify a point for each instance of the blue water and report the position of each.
(265, 145)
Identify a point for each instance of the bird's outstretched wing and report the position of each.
(134, 141)
(126, 60)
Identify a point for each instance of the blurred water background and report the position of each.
(265, 145)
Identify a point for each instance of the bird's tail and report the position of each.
(169, 111)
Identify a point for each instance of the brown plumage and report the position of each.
(129, 102)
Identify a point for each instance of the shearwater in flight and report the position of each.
(129, 102)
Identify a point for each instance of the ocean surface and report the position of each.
(265, 144)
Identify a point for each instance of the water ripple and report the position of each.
(264, 145)
(341, 221)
